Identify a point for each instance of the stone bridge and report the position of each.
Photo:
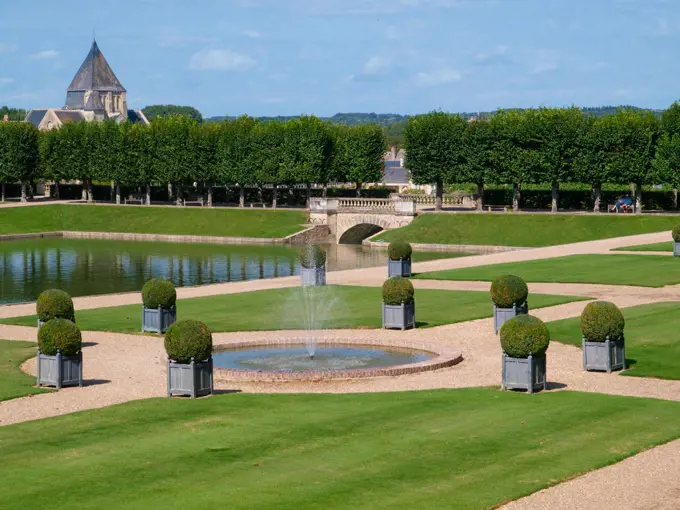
(351, 220)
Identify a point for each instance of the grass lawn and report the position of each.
(649, 247)
(524, 229)
(463, 449)
(13, 382)
(652, 347)
(151, 220)
(640, 270)
(335, 306)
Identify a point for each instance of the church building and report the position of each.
(95, 94)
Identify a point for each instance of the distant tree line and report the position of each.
(180, 152)
(14, 114)
(546, 145)
(171, 110)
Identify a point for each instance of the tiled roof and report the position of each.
(95, 74)
(395, 175)
(35, 117)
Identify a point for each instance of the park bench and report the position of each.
(135, 197)
(258, 204)
(194, 198)
(622, 205)
(491, 208)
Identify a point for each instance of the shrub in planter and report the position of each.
(313, 265)
(399, 254)
(525, 340)
(158, 310)
(509, 295)
(676, 240)
(602, 325)
(399, 308)
(54, 304)
(188, 344)
(60, 361)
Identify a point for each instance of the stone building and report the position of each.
(95, 94)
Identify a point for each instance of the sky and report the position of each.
(287, 57)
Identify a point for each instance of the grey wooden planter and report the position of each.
(604, 356)
(158, 320)
(311, 276)
(676, 249)
(193, 379)
(524, 373)
(401, 267)
(59, 370)
(502, 315)
(401, 316)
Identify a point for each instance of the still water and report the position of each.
(84, 267)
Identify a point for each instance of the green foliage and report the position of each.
(55, 304)
(312, 256)
(19, 152)
(509, 290)
(523, 335)
(397, 290)
(171, 110)
(676, 233)
(159, 292)
(399, 249)
(357, 154)
(62, 335)
(13, 114)
(188, 339)
(601, 320)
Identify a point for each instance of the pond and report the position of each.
(84, 267)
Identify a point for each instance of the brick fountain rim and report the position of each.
(443, 357)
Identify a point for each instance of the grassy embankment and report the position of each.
(524, 229)
(151, 220)
(649, 247)
(463, 449)
(640, 270)
(13, 382)
(334, 306)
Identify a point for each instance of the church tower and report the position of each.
(96, 89)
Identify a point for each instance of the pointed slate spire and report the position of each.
(95, 74)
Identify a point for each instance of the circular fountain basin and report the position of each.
(290, 360)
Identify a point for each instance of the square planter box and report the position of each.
(193, 379)
(312, 276)
(399, 316)
(401, 267)
(502, 315)
(158, 320)
(59, 370)
(605, 356)
(523, 373)
(676, 249)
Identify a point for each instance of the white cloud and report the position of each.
(220, 60)
(375, 66)
(253, 34)
(45, 55)
(440, 76)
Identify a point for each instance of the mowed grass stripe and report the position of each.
(13, 382)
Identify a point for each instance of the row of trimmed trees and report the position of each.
(546, 145)
(179, 151)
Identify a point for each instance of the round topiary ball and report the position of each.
(509, 290)
(159, 292)
(62, 335)
(397, 290)
(524, 335)
(676, 233)
(188, 339)
(399, 250)
(312, 256)
(602, 319)
(55, 304)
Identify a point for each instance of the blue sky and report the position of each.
(286, 57)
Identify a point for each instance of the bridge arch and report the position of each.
(359, 232)
(354, 228)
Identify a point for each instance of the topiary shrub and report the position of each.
(397, 290)
(676, 233)
(312, 256)
(509, 290)
(524, 335)
(62, 335)
(399, 250)
(188, 339)
(602, 319)
(159, 292)
(55, 304)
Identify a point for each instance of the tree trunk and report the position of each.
(84, 191)
(480, 200)
(597, 197)
(210, 195)
(241, 196)
(516, 196)
(89, 191)
(308, 200)
(675, 197)
(179, 195)
(170, 192)
(259, 194)
(56, 190)
(291, 197)
(118, 193)
(555, 196)
(148, 194)
(358, 188)
(2, 192)
(439, 195)
(23, 191)
(638, 198)
(274, 197)
(113, 190)
(324, 192)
